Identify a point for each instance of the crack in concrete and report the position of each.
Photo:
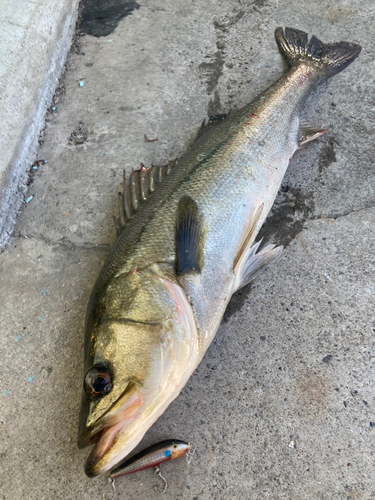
(343, 214)
(65, 243)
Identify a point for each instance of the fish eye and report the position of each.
(98, 380)
(175, 446)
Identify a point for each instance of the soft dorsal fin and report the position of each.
(137, 189)
(189, 237)
(213, 120)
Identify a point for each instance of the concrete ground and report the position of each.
(281, 406)
(35, 37)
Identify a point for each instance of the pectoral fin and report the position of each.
(252, 263)
(190, 236)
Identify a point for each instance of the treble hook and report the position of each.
(112, 483)
(158, 473)
(190, 453)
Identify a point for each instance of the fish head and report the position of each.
(142, 349)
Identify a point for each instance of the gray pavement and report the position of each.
(35, 38)
(281, 404)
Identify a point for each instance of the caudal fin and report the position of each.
(329, 58)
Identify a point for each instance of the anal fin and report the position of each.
(190, 236)
(308, 133)
(252, 263)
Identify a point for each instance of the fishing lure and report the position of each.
(153, 456)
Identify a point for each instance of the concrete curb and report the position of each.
(34, 44)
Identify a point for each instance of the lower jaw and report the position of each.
(92, 466)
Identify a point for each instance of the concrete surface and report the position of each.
(281, 405)
(35, 37)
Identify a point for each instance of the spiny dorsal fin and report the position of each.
(189, 237)
(137, 188)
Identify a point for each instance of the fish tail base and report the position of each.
(328, 58)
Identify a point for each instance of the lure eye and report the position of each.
(98, 381)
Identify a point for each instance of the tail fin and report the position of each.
(330, 58)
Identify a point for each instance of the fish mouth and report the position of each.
(105, 438)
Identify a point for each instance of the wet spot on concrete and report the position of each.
(212, 71)
(327, 359)
(101, 17)
(287, 217)
(214, 106)
(229, 21)
(327, 154)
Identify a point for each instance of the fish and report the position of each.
(185, 245)
(152, 457)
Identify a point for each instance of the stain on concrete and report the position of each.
(287, 216)
(227, 23)
(214, 106)
(337, 15)
(212, 71)
(79, 135)
(327, 154)
(352, 494)
(312, 393)
(259, 3)
(101, 17)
